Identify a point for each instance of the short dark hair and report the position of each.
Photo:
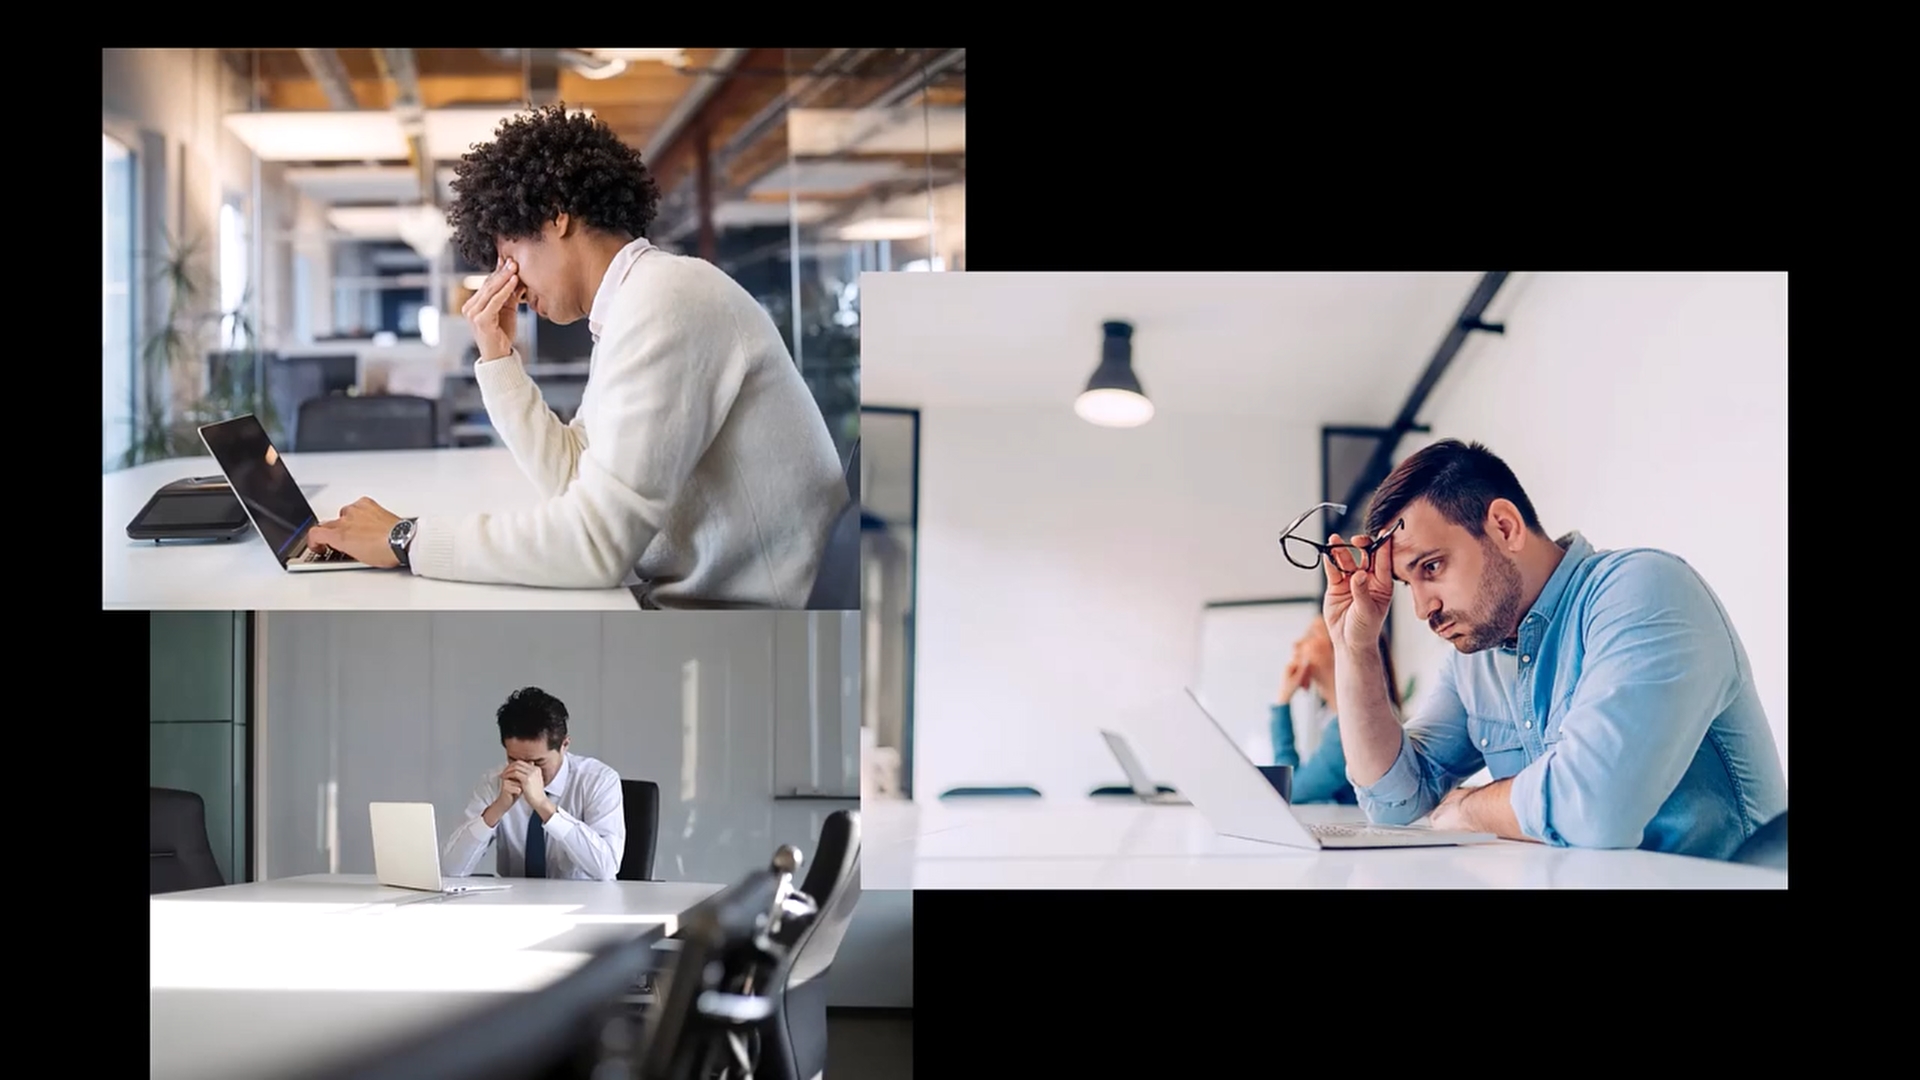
(541, 165)
(531, 713)
(1460, 479)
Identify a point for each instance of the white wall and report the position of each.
(170, 104)
(1643, 409)
(1062, 573)
(727, 712)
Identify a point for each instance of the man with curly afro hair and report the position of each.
(698, 466)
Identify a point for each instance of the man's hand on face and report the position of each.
(510, 789)
(1356, 601)
(361, 531)
(492, 310)
(533, 785)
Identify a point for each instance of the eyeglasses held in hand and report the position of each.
(1306, 554)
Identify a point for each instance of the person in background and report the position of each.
(547, 813)
(1323, 778)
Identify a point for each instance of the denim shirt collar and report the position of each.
(1547, 604)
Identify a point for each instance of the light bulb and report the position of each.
(1113, 408)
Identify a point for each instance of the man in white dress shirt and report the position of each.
(698, 465)
(548, 812)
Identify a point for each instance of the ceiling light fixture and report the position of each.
(1113, 397)
(887, 228)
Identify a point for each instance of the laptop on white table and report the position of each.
(406, 851)
(1209, 768)
(1143, 785)
(275, 504)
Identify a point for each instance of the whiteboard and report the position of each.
(1244, 648)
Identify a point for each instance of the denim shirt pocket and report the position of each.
(1499, 744)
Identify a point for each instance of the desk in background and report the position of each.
(1035, 844)
(258, 980)
(241, 574)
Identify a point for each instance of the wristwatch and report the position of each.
(400, 539)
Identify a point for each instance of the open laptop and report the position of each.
(1137, 778)
(406, 851)
(274, 503)
(1208, 765)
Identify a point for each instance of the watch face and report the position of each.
(401, 531)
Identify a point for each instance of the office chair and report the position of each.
(180, 856)
(1019, 791)
(728, 979)
(640, 801)
(1767, 846)
(378, 422)
(836, 585)
(793, 1041)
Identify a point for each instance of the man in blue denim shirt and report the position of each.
(1606, 692)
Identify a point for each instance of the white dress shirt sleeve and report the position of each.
(595, 841)
(471, 837)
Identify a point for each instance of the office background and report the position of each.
(1047, 573)
(288, 724)
(273, 226)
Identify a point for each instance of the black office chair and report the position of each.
(1017, 791)
(836, 585)
(377, 422)
(728, 979)
(180, 856)
(640, 800)
(1767, 846)
(793, 1041)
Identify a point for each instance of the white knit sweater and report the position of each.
(698, 458)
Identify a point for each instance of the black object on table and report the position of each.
(197, 508)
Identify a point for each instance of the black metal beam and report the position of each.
(1381, 463)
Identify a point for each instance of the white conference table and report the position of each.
(252, 981)
(242, 575)
(980, 843)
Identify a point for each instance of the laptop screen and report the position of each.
(260, 480)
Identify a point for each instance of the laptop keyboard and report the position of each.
(312, 555)
(1357, 830)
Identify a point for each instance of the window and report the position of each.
(233, 275)
(116, 296)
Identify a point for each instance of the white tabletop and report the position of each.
(1038, 844)
(252, 980)
(242, 574)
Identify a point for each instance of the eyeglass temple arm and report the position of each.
(1338, 508)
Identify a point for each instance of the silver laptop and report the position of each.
(406, 851)
(1137, 778)
(275, 504)
(1208, 765)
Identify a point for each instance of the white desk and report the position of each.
(241, 574)
(1036, 844)
(250, 981)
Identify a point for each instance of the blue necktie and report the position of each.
(536, 847)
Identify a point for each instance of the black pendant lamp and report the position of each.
(1113, 397)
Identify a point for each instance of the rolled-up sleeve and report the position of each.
(1435, 753)
(1658, 665)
